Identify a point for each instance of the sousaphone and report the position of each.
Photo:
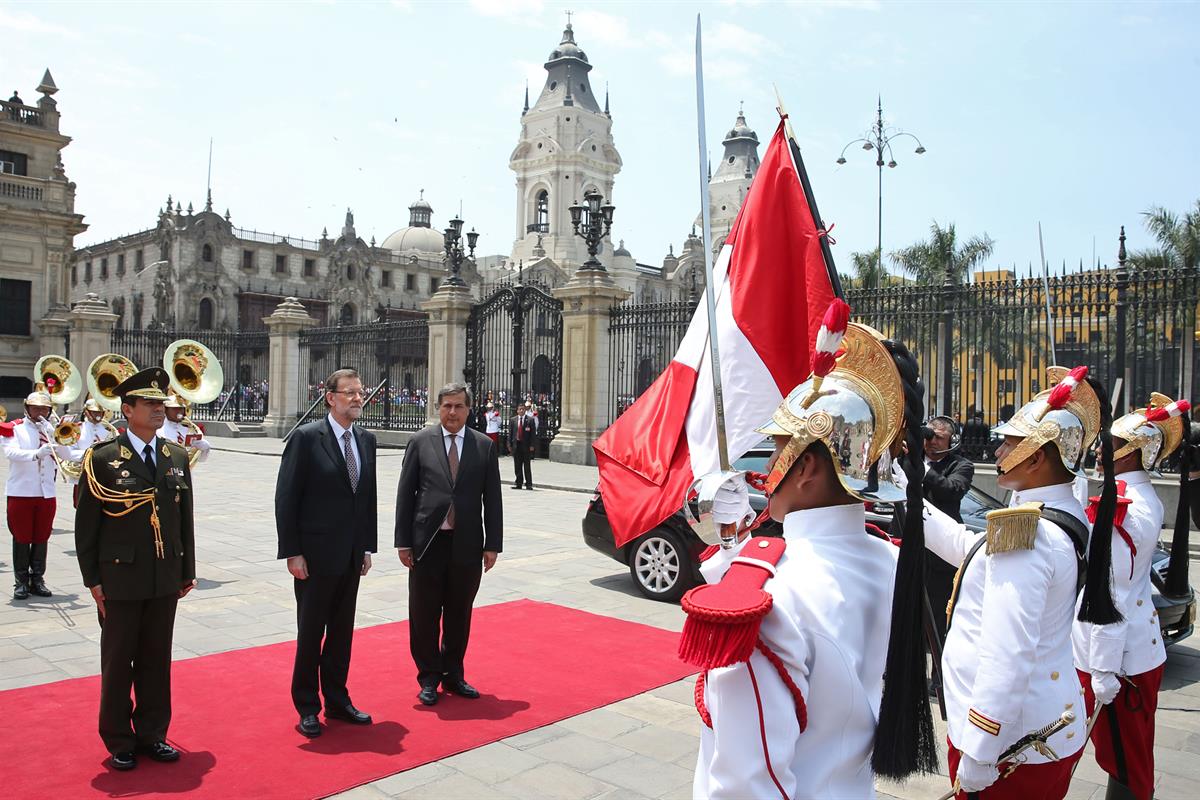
(61, 378)
(196, 378)
(104, 375)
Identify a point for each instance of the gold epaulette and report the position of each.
(1014, 528)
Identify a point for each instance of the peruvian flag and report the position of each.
(774, 280)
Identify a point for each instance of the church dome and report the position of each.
(741, 130)
(567, 47)
(419, 238)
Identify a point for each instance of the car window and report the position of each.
(976, 503)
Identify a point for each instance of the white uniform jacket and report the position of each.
(30, 475)
(174, 432)
(1134, 645)
(89, 433)
(829, 624)
(1006, 663)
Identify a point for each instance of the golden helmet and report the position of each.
(1156, 430)
(855, 410)
(1066, 415)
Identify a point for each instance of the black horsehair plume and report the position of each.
(904, 738)
(1177, 567)
(1097, 604)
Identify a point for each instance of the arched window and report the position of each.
(206, 254)
(542, 376)
(349, 272)
(347, 317)
(541, 212)
(205, 319)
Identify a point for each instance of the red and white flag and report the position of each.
(772, 289)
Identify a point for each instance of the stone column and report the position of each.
(283, 368)
(91, 326)
(449, 309)
(587, 299)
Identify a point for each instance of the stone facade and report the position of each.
(38, 224)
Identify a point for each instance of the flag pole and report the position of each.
(710, 290)
(1046, 291)
(835, 280)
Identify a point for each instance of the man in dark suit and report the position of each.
(449, 531)
(522, 442)
(135, 540)
(325, 516)
(948, 477)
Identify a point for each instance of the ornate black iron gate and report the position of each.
(514, 353)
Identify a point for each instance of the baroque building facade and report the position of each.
(197, 270)
(38, 225)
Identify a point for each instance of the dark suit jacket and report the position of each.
(425, 492)
(119, 552)
(947, 482)
(317, 515)
(528, 434)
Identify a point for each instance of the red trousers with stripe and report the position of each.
(30, 519)
(1047, 781)
(1124, 733)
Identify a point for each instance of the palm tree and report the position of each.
(930, 262)
(1178, 237)
(868, 272)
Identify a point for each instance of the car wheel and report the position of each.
(659, 565)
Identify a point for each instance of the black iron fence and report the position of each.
(243, 357)
(394, 354)
(983, 347)
(643, 338)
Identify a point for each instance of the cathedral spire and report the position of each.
(607, 113)
(525, 110)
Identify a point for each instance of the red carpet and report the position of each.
(535, 663)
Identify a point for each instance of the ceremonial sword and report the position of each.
(1035, 740)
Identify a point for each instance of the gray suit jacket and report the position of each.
(426, 491)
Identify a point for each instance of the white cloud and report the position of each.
(509, 9)
(605, 28)
(24, 22)
(726, 36)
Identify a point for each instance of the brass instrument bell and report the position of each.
(104, 375)
(195, 371)
(61, 378)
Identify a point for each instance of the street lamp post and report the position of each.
(595, 226)
(879, 139)
(455, 253)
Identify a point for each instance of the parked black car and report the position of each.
(665, 562)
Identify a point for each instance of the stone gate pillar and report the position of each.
(283, 367)
(587, 298)
(449, 309)
(90, 334)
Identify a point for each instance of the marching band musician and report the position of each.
(793, 633)
(30, 447)
(91, 431)
(1006, 665)
(135, 541)
(173, 430)
(1121, 665)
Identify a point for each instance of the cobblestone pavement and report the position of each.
(643, 747)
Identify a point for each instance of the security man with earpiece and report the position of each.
(948, 476)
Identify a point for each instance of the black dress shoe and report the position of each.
(530, 488)
(461, 688)
(21, 591)
(123, 761)
(516, 486)
(38, 587)
(428, 695)
(309, 726)
(161, 751)
(348, 713)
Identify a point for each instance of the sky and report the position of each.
(1079, 116)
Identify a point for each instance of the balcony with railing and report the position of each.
(45, 193)
(21, 114)
(538, 227)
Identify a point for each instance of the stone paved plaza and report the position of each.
(643, 747)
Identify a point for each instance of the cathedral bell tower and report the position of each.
(565, 151)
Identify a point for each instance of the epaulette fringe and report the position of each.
(1014, 528)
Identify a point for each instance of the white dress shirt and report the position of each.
(1006, 665)
(829, 623)
(338, 430)
(1134, 645)
(139, 447)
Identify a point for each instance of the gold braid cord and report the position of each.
(130, 501)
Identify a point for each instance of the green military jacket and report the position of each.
(114, 535)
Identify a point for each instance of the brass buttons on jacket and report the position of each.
(1139, 602)
(1068, 706)
(1053, 676)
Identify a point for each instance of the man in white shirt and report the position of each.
(492, 427)
(30, 448)
(173, 429)
(1121, 665)
(91, 430)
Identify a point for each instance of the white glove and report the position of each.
(45, 450)
(201, 444)
(974, 776)
(1105, 686)
(732, 503)
(899, 476)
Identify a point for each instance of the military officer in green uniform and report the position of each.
(136, 544)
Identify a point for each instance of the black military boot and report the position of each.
(1117, 790)
(37, 570)
(20, 570)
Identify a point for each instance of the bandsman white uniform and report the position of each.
(177, 432)
(1121, 665)
(791, 710)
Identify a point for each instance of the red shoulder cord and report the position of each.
(1123, 504)
(784, 675)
